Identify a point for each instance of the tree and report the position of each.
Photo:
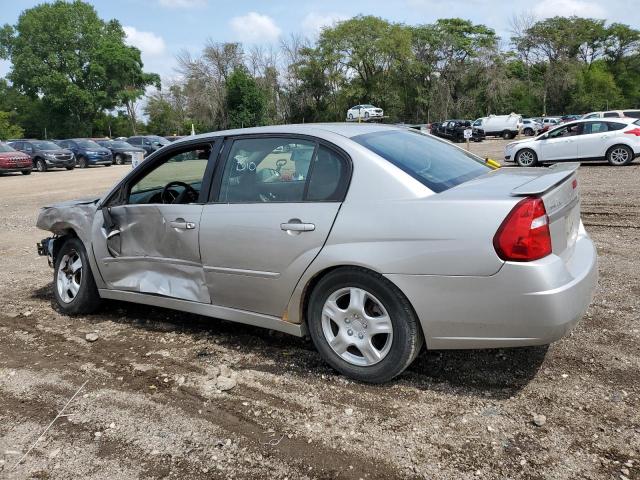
(7, 128)
(75, 62)
(245, 100)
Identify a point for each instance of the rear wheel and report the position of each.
(619, 155)
(506, 134)
(74, 288)
(41, 165)
(527, 158)
(26, 172)
(350, 116)
(362, 325)
(528, 132)
(71, 167)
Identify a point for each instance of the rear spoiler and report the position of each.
(548, 178)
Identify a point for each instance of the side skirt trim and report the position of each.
(214, 311)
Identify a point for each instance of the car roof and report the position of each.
(344, 129)
(626, 120)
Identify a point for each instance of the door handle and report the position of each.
(182, 224)
(296, 225)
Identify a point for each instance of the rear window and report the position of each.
(433, 162)
(632, 113)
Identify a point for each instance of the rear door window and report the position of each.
(433, 162)
(612, 126)
(611, 115)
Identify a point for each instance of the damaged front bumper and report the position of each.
(45, 248)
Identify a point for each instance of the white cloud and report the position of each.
(149, 43)
(566, 8)
(254, 27)
(314, 22)
(182, 3)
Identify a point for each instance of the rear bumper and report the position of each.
(533, 303)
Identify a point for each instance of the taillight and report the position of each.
(634, 131)
(524, 235)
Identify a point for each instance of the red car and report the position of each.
(12, 160)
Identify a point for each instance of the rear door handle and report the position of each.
(182, 224)
(296, 225)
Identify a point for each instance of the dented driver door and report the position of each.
(155, 250)
(147, 240)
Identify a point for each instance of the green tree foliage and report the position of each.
(8, 129)
(246, 102)
(76, 63)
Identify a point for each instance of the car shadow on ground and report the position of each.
(490, 373)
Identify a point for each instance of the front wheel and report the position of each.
(350, 116)
(119, 160)
(26, 172)
(82, 162)
(528, 132)
(362, 325)
(41, 166)
(526, 158)
(366, 114)
(74, 287)
(619, 155)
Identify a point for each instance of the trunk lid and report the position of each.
(557, 186)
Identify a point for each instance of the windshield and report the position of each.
(6, 148)
(116, 144)
(160, 140)
(87, 144)
(45, 146)
(433, 162)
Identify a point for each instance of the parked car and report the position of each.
(548, 123)
(531, 127)
(505, 126)
(149, 143)
(630, 113)
(11, 160)
(569, 118)
(365, 111)
(614, 140)
(309, 243)
(454, 130)
(45, 154)
(173, 138)
(87, 152)
(121, 151)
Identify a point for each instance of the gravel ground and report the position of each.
(166, 394)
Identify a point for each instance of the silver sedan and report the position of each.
(373, 240)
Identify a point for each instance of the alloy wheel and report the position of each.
(356, 326)
(619, 156)
(526, 158)
(69, 276)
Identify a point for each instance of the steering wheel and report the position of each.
(281, 162)
(169, 196)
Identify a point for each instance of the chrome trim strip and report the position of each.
(142, 258)
(239, 271)
(208, 310)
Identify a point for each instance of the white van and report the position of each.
(505, 126)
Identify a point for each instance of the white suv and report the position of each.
(365, 111)
(631, 113)
(615, 140)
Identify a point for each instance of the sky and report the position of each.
(163, 28)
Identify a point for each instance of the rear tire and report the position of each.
(506, 135)
(362, 303)
(26, 172)
(41, 165)
(74, 287)
(70, 168)
(528, 132)
(526, 158)
(619, 155)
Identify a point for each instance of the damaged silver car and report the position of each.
(374, 240)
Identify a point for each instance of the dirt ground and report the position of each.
(150, 406)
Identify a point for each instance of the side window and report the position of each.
(612, 126)
(593, 115)
(176, 180)
(632, 113)
(134, 141)
(17, 145)
(611, 115)
(329, 177)
(595, 127)
(266, 170)
(560, 132)
(27, 147)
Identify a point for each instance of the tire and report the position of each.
(75, 291)
(26, 172)
(82, 162)
(526, 158)
(108, 164)
(528, 132)
(119, 160)
(350, 116)
(619, 155)
(70, 167)
(506, 135)
(366, 115)
(41, 165)
(388, 353)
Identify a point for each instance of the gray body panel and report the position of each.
(239, 265)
